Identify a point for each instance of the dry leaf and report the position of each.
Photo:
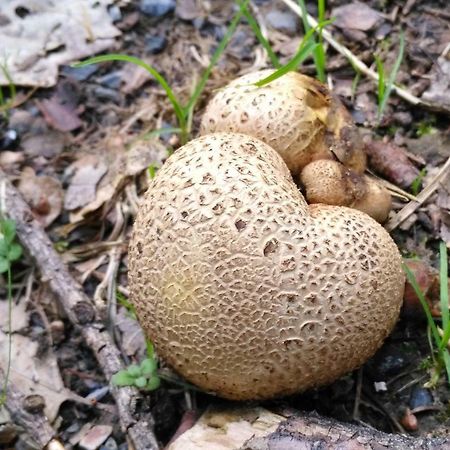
(48, 34)
(356, 16)
(44, 194)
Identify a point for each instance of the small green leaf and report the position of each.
(123, 378)
(140, 382)
(4, 265)
(4, 247)
(148, 366)
(8, 228)
(134, 370)
(153, 383)
(15, 252)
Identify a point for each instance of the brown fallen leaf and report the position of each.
(44, 194)
(356, 16)
(391, 161)
(89, 170)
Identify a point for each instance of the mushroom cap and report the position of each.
(294, 114)
(329, 182)
(247, 291)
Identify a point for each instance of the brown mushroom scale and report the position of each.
(246, 290)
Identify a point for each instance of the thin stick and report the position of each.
(81, 312)
(412, 206)
(358, 64)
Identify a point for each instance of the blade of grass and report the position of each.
(392, 76)
(319, 52)
(158, 77)
(412, 281)
(159, 132)
(443, 282)
(262, 40)
(381, 76)
(306, 47)
(5, 105)
(216, 55)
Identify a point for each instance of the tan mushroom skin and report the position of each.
(311, 130)
(246, 290)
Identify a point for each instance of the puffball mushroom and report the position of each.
(298, 117)
(243, 288)
(294, 114)
(329, 182)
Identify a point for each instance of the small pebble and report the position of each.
(282, 21)
(95, 437)
(115, 13)
(80, 73)
(103, 93)
(157, 8)
(34, 403)
(420, 396)
(111, 80)
(9, 140)
(155, 44)
(110, 444)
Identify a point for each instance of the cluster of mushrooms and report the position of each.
(247, 289)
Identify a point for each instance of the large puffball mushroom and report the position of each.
(246, 290)
(329, 182)
(294, 114)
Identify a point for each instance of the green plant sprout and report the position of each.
(319, 53)
(10, 251)
(439, 337)
(417, 182)
(385, 86)
(183, 113)
(306, 47)
(5, 104)
(142, 376)
(152, 168)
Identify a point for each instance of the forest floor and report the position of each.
(78, 152)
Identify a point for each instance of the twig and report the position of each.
(36, 424)
(358, 64)
(409, 208)
(81, 313)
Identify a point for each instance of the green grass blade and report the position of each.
(159, 132)
(299, 57)
(381, 83)
(319, 51)
(412, 281)
(262, 40)
(446, 358)
(321, 10)
(5, 105)
(443, 282)
(158, 77)
(392, 76)
(217, 54)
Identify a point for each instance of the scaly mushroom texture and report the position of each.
(246, 290)
(294, 114)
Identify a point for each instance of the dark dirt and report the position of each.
(83, 126)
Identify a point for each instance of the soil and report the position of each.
(89, 221)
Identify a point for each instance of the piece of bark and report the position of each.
(80, 311)
(309, 431)
(35, 423)
(391, 162)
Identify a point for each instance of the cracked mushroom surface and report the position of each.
(294, 114)
(246, 290)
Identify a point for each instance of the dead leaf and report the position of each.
(33, 375)
(439, 91)
(356, 16)
(44, 194)
(82, 189)
(121, 164)
(133, 340)
(51, 34)
(227, 429)
(49, 143)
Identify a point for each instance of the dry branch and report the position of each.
(35, 423)
(309, 431)
(358, 64)
(80, 311)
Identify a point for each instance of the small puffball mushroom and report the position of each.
(294, 114)
(246, 290)
(329, 182)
